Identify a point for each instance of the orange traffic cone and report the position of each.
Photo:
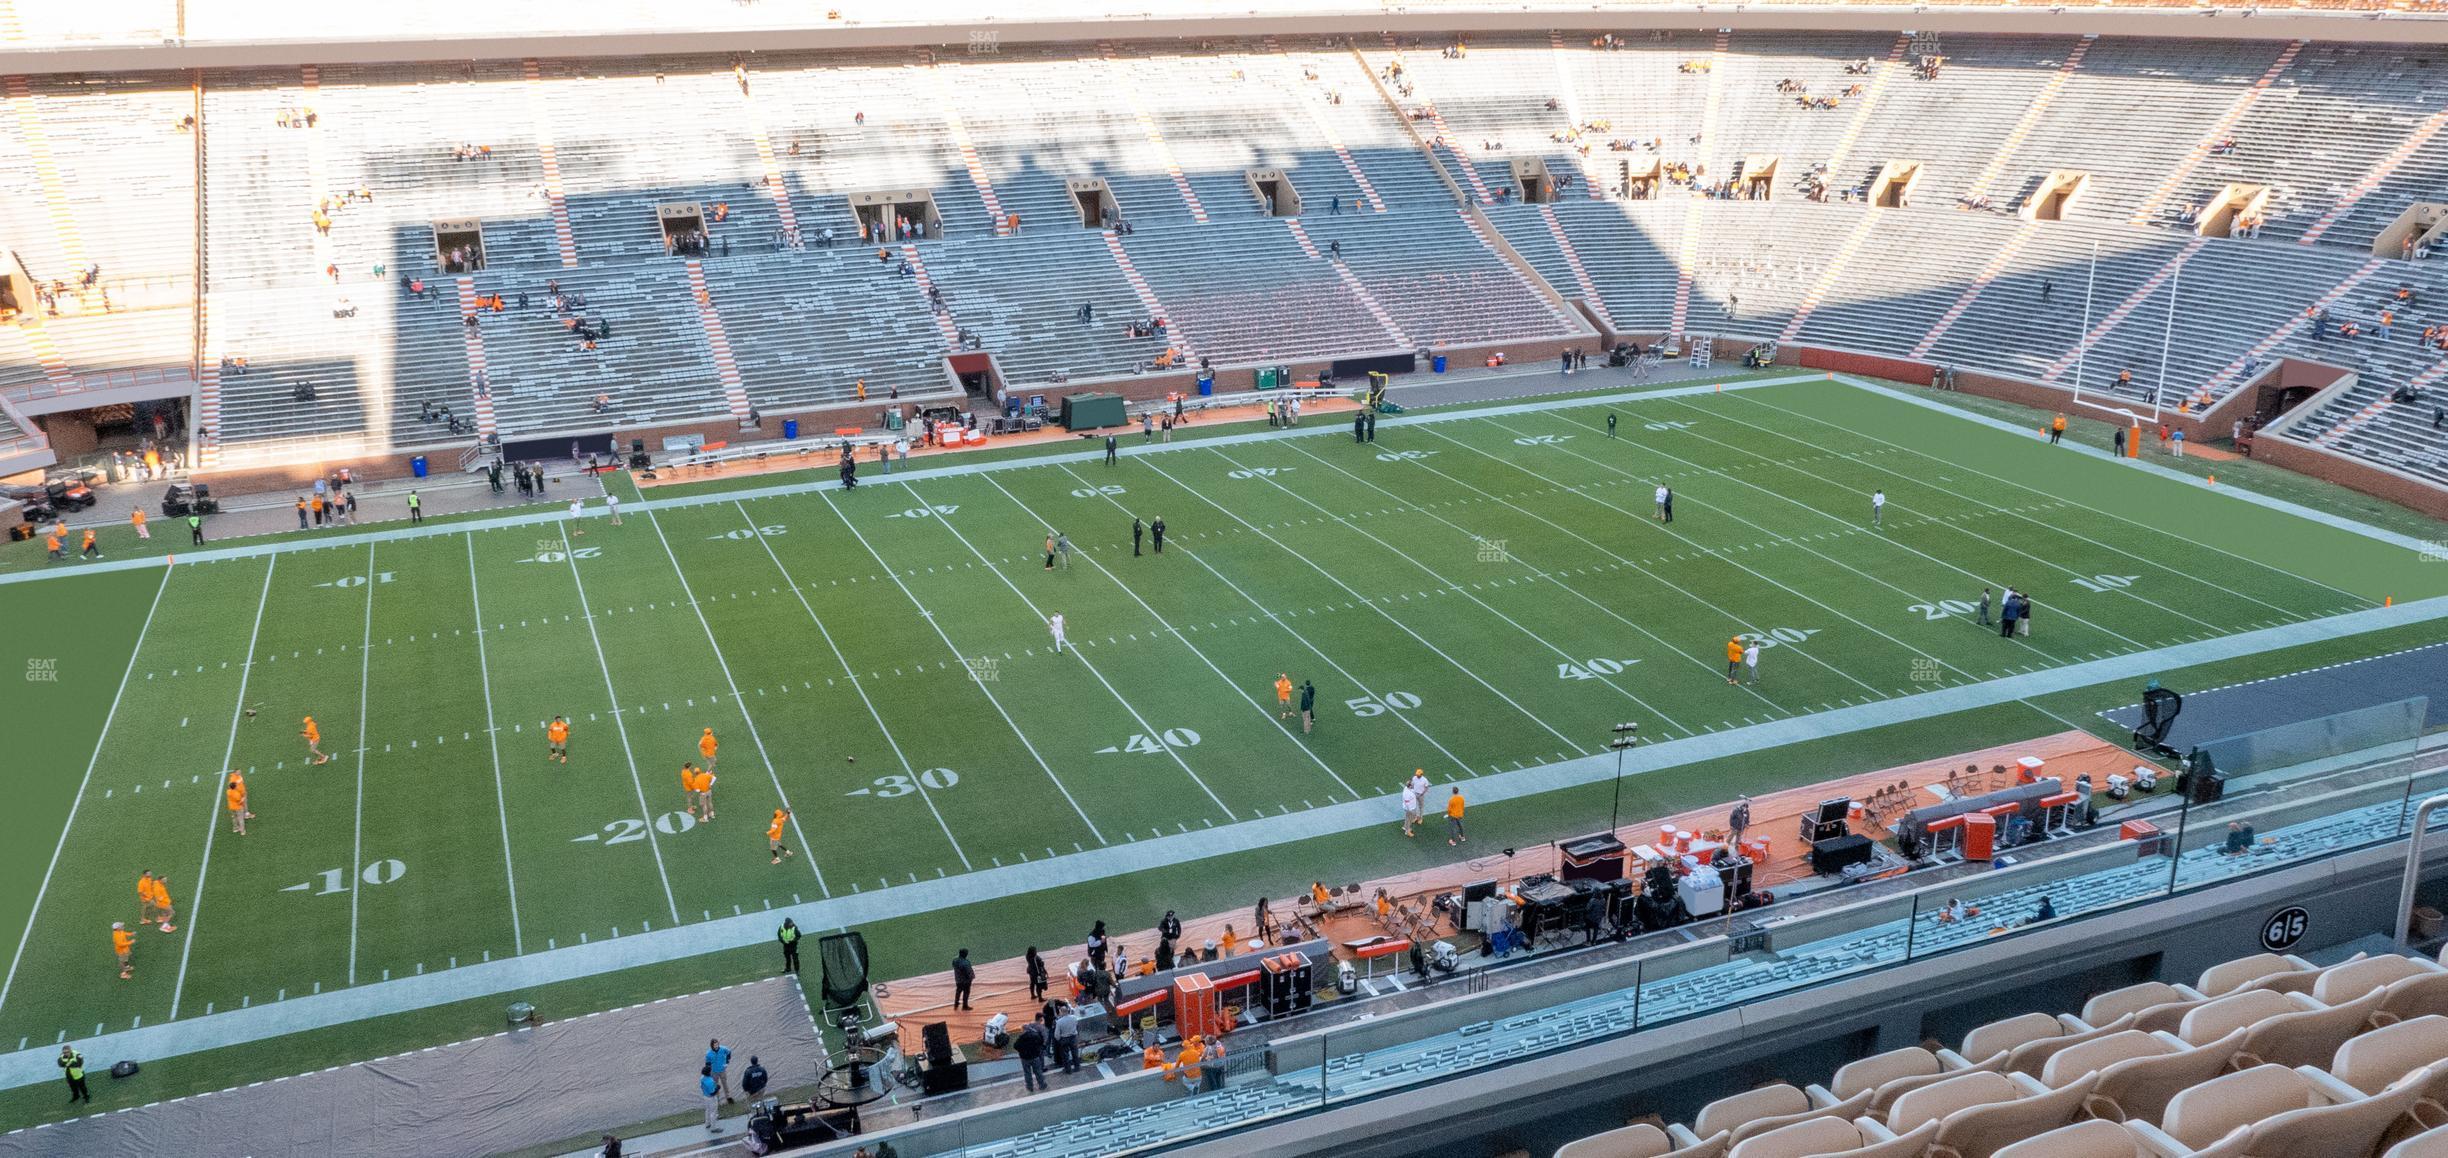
(2388, 601)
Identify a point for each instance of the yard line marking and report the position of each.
(1185, 640)
(1450, 585)
(1145, 727)
(212, 809)
(501, 802)
(1704, 550)
(2057, 608)
(1365, 601)
(1955, 525)
(619, 723)
(720, 661)
(365, 675)
(2359, 602)
(1577, 593)
(69, 824)
(859, 685)
(929, 616)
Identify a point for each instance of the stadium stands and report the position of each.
(320, 187)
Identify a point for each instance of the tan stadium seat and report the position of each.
(2300, 980)
(2414, 997)
(2228, 976)
(1879, 1069)
(1639, 1140)
(2139, 1089)
(1982, 1131)
(1726, 1113)
(1691, 1146)
(1836, 1138)
(2032, 1057)
(2428, 1144)
(2220, 1016)
(1932, 1103)
(1998, 1037)
(2352, 980)
(2116, 1003)
(1883, 1098)
(2211, 1110)
(2081, 1061)
(2348, 1129)
(2089, 1139)
(2308, 1038)
(1823, 1105)
(2370, 1061)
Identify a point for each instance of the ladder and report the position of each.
(1701, 354)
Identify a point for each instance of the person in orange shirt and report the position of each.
(162, 905)
(1283, 696)
(89, 549)
(1232, 942)
(1152, 1058)
(1453, 816)
(556, 734)
(237, 794)
(145, 914)
(124, 944)
(52, 541)
(314, 741)
(1734, 654)
(773, 835)
(136, 516)
(2057, 429)
(704, 794)
(705, 748)
(1185, 1069)
(688, 787)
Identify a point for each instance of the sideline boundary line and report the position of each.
(501, 798)
(339, 1006)
(69, 825)
(549, 514)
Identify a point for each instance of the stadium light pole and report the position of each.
(1626, 735)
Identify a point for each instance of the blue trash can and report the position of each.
(416, 466)
(790, 429)
(1206, 384)
(1437, 363)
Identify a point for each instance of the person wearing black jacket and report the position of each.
(964, 975)
(1036, 975)
(1170, 927)
(753, 1079)
(1031, 1047)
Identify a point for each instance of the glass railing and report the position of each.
(2285, 796)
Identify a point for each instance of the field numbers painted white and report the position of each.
(333, 881)
(1402, 455)
(1941, 609)
(1666, 426)
(557, 556)
(2098, 583)
(936, 779)
(1257, 472)
(743, 534)
(924, 512)
(1541, 439)
(1143, 744)
(1776, 635)
(1592, 669)
(629, 828)
(360, 580)
(1366, 706)
(1096, 492)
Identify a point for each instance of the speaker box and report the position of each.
(938, 1037)
(944, 1077)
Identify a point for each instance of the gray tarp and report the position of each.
(560, 1080)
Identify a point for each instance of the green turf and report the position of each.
(1469, 596)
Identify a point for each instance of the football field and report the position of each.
(1473, 593)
